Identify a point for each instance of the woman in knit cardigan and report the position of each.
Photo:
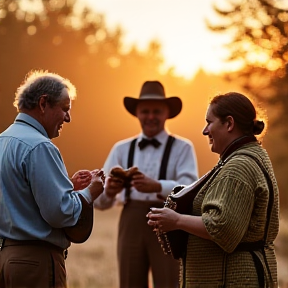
(234, 217)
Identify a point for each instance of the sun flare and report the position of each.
(187, 44)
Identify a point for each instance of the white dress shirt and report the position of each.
(182, 166)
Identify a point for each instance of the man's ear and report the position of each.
(42, 103)
(230, 123)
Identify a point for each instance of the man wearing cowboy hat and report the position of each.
(163, 161)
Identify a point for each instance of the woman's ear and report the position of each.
(230, 123)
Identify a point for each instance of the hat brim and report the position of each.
(174, 103)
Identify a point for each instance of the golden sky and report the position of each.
(178, 24)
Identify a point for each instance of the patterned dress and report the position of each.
(233, 207)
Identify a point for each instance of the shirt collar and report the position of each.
(32, 121)
(161, 137)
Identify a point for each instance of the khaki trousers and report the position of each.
(32, 266)
(139, 250)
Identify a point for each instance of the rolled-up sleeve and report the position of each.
(226, 211)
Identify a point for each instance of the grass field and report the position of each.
(93, 264)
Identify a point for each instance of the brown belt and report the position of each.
(4, 242)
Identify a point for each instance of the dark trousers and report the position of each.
(32, 266)
(139, 251)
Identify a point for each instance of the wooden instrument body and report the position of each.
(180, 200)
(81, 231)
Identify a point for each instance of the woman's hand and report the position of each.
(164, 219)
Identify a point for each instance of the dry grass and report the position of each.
(94, 264)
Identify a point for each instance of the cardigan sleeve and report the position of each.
(235, 205)
(227, 211)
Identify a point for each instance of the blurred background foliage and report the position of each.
(259, 51)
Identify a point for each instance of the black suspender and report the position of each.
(164, 163)
(165, 158)
(131, 153)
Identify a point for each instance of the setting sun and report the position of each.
(179, 26)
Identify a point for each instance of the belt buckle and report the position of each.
(2, 240)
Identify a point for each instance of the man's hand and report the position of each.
(113, 186)
(98, 173)
(123, 175)
(96, 186)
(81, 179)
(144, 184)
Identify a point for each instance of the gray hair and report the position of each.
(38, 83)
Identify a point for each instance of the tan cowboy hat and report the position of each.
(153, 90)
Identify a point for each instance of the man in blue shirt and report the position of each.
(37, 200)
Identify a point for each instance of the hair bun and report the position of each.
(258, 127)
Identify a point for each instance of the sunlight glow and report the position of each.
(114, 62)
(274, 64)
(187, 44)
(283, 16)
(90, 39)
(100, 35)
(29, 17)
(33, 6)
(57, 3)
(285, 56)
(31, 30)
(20, 14)
(259, 57)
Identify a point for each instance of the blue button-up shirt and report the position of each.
(36, 194)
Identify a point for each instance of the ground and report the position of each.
(94, 263)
